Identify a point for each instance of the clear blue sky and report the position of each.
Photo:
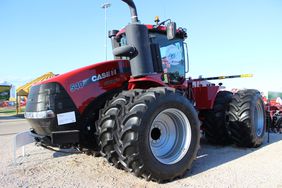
(225, 37)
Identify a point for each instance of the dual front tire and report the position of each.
(153, 133)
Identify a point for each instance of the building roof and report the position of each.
(24, 90)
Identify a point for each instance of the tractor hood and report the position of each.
(87, 83)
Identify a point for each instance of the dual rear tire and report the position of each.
(238, 118)
(214, 124)
(247, 119)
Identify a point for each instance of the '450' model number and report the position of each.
(95, 78)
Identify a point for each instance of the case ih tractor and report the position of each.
(140, 110)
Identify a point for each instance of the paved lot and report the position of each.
(12, 125)
(215, 166)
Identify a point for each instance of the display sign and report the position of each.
(4, 93)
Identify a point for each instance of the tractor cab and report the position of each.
(169, 53)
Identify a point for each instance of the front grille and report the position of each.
(50, 97)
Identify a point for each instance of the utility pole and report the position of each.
(105, 6)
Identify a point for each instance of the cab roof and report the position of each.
(180, 33)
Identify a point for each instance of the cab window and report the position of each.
(173, 61)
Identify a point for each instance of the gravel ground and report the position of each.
(215, 167)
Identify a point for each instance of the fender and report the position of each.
(149, 81)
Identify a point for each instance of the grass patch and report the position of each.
(7, 111)
(10, 111)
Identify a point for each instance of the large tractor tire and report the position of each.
(107, 124)
(158, 135)
(247, 119)
(214, 124)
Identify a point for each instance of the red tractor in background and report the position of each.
(140, 110)
(274, 115)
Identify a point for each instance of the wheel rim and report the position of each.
(259, 119)
(170, 136)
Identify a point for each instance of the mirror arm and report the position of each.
(162, 23)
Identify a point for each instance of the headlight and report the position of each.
(39, 115)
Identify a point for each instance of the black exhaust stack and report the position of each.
(133, 11)
(138, 37)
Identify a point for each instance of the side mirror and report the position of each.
(171, 30)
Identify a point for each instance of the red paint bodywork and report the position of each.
(149, 81)
(205, 96)
(202, 95)
(83, 96)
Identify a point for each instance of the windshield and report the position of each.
(173, 60)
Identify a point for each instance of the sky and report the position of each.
(224, 37)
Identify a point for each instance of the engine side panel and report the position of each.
(85, 84)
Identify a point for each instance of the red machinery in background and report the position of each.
(274, 114)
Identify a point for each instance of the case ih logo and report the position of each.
(92, 79)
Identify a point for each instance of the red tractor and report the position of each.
(274, 116)
(140, 110)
